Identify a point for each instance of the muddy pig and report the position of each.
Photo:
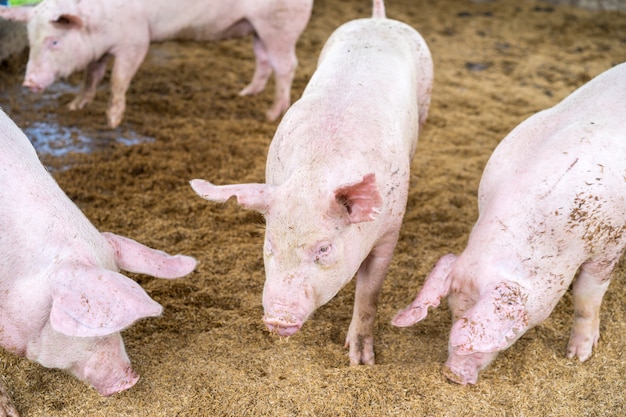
(71, 35)
(337, 176)
(552, 202)
(63, 302)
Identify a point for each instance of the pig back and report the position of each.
(361, 109)
(590, 123)
(554, 190)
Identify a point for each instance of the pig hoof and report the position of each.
(361, 351)
(78, 103)
(581, 351)
(114, 120)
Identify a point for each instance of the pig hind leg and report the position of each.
(588, 291)
(94, 73)
(275, 52)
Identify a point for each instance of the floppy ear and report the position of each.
(250, 196)
(97, 302)
(498, 315)
(18, 14)
(67, 21)
(132, 256)
(361, 200)
(436, 286)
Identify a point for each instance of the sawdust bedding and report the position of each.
(496, 63)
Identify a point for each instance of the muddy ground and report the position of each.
(496, 63)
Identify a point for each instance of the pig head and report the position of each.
(57, 36)
(306, 262)
(552, 208)
(63, 302)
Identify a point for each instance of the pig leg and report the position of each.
(262, 71)
(7, 409)
(588, 290)
(127, 62)
(282, 58)
(93, 75)
(369, 281)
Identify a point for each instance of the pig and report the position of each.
(337, 176)
(63, 302)
(552, 203)
(70, 35)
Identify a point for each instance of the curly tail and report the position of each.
(379, 9)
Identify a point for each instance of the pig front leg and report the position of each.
(7, 409)
(93, 75)
(369, 281)
(127, 62)
(588, 291)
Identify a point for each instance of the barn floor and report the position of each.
(496, 63)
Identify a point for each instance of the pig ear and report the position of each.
(498, 315)
(98, 302)
(68, 21)
(132, 256)
(436, 286)
(362, 200)
(19, 14)
(250, 196)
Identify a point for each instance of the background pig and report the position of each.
(337, 176)
(552, 201)
(70, 35)
(62, 301)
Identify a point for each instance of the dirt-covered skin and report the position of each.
(496, 63)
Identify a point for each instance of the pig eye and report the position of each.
(51, 43)
(322, 252)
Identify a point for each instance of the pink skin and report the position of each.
(551, 203)
(69, 35)
(63, 302)
(337, 176)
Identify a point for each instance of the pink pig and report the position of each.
(71, 35)
(552, 201)
(337, 176)
(62, 301)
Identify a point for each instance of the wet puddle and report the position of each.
(52, 139)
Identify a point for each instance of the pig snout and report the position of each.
(38, 81)
(287, 306)
(33, 86)
(284, 324)
(107, 369)
(463, 369)
(125, 380)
